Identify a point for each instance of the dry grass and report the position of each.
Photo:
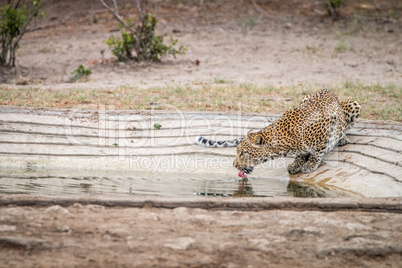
(378, 101)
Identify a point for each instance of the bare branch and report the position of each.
(331, 10)
(139, 11)
(145, 5)
(255, 5)
(115, 7)
(16, 4)
(117, 15)
(156, 9)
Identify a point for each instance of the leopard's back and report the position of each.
(317, 121)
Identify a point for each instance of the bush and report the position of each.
(80, 72)
(15, 17)
(141, 39)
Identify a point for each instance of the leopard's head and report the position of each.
(252, 151)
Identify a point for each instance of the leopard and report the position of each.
(308, 132)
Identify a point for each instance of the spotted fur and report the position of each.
(309, 131)
(232, 143)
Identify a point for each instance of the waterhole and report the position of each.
(87, 183)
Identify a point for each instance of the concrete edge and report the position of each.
(46, 110)
(387, 205)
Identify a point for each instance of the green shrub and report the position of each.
(138, 41)
(144, 42)
(81, 72)
(15, 18)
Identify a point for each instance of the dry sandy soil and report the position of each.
(215, 236)
(292, 42)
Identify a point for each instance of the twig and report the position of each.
(331, 10)
(16, 4)
(255, 5)
(115, 7)
(117, 15)
(156, 9)
(139, 11)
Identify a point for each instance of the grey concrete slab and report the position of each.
(97, 141)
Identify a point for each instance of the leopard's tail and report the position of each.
(215, 144)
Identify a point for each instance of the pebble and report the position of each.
(181, 212)
(57, 210)
(77, 205)
(354, 226)
(95, 208)
(181, 243)
(63, 229)
(7, 228)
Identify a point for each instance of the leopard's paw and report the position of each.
(345, 140)
(294, 168)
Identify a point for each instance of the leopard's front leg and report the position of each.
(313, 162)
(296, 166)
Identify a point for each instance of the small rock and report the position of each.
(107, 237)
(288, 25)
(34, 224)
(132, 242)
(275, 238)
(63, 229)
(261, 244)
(181, 243)
(14, 211)
(305, 231)
(228, 245)
(203, 217)
(95, 208)
(328, 222)
(354, 226)
(25, 242)
(57, 210)
(111, 236)
(265, 243)
(312, 230)
(361, 247)
(7, 228)
(77, 205)
(181, 212)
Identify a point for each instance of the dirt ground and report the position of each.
(292, 42)
(92, 235)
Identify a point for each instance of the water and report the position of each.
(114, 183)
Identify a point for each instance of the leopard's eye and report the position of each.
(243, 154)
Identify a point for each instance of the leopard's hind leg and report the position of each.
(351, 111)
(304, 101)
(345, 140)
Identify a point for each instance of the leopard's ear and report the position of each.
(249, 135)
(256, 139)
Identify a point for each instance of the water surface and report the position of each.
(114, 183)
